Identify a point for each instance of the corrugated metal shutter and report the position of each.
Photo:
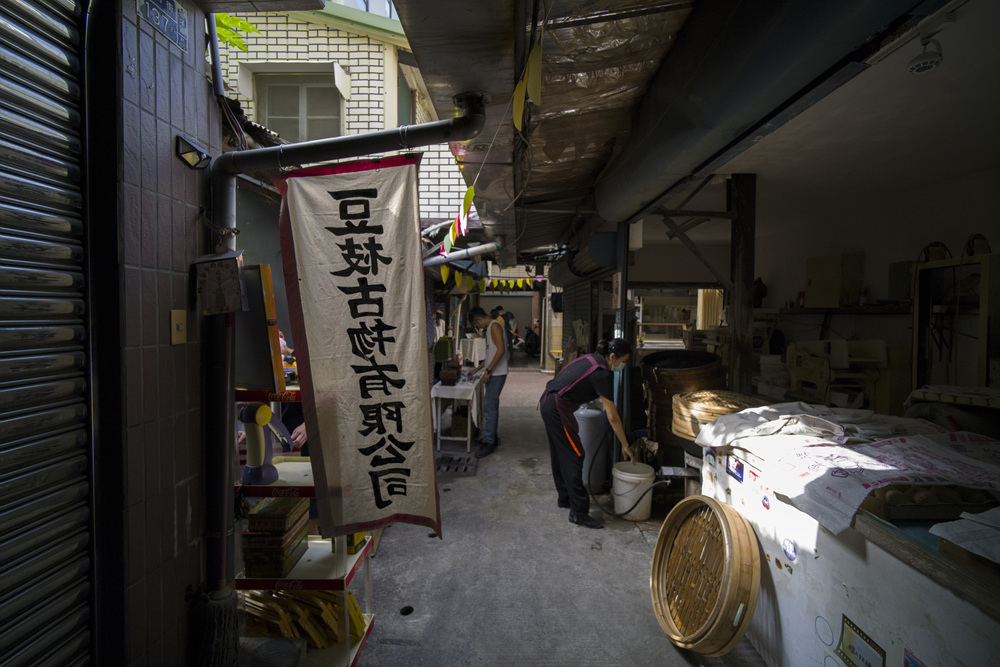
(45, 570)
(576, 306)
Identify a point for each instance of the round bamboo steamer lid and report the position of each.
(705, 576)
(693, 408)
(685, 427)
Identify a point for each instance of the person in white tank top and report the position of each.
(494, 369)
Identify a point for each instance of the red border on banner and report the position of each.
(367, 164)
(357, 165)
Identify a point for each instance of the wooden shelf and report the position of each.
(315, 571)
(295, 480)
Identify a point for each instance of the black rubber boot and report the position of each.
(584, 520)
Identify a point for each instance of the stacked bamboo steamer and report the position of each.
(692, 409)
(705, 576)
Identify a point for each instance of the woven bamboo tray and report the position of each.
(705, 576)
(693, 408)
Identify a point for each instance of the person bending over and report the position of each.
(581, 381)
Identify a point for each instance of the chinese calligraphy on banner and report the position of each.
(350, 241)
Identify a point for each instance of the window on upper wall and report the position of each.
(405, 101)
(299, 107)
(380, 7)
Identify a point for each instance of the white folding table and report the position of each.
(471, 393)
(473, 350)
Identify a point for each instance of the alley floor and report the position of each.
(511, 581)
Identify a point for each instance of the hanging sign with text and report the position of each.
(350, 240)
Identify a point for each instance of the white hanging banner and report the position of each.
(350, 237)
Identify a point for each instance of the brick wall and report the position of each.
(441, 184)
(284, 38)
(164, 93)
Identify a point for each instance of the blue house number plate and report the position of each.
(168, 17)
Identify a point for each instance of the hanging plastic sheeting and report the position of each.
(597, 61)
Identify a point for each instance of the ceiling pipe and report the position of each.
(276, 158)
(466, 253)
(433, 228)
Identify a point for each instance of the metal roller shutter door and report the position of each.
(45, 563)
(576, 306)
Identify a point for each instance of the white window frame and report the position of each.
(246, 69)
(302, 82)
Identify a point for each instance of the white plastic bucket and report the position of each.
(630, 482)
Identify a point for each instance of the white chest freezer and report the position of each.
(871, 596)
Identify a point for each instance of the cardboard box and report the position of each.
(835, 280)
(459, 425)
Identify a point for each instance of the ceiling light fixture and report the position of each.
(929, 58)
(192, 155)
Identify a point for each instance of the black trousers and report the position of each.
(566, 452)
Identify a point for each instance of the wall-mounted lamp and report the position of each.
(193, 155)
(929, 58)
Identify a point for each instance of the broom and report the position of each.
(213, 629)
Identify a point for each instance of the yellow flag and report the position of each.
(520, 283)
(458, 279)
(534, 75)
(482, 285)
(464, 213)
(444, 273)
(519, 104)
(469, 283)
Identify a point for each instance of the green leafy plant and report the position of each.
(229, 29)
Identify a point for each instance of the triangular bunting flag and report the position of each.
(482, 285)
(469, 283)
(466, 206)
(447, 245)
(444, 273)
(533, 75)
(519, 104)
(458, 279)
(520, 283)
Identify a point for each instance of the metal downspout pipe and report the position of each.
(622, 327)
(219, 348)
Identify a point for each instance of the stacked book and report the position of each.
(275, 538)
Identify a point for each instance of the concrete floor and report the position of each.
(512, 581)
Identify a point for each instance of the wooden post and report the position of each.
(741, 201)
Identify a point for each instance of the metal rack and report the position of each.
(326, 565)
